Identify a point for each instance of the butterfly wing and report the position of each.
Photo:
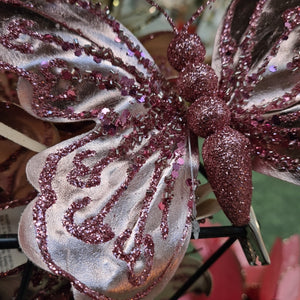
(113, 210)
(258, 67)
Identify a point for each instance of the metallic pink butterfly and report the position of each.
(114, 209)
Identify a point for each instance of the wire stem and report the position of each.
(203, 268)
(9, 241)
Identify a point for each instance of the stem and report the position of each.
(203, 268)
(20, 138)
(9, 241)
(222, 231)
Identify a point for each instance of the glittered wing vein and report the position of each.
(259, 77)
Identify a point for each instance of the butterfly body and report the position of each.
(229, 173)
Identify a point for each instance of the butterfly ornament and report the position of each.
(115, 205)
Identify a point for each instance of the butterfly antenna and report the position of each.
(196, 14)
(168, 18)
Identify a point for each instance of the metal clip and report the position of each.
(253, 244)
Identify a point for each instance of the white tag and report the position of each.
(9, 220)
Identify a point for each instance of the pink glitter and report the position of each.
(117, 39)
(161, 206)
(272, 68)
(155, 121)
(180, 161)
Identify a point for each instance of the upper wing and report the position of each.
(257, 60)
(114, 205)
